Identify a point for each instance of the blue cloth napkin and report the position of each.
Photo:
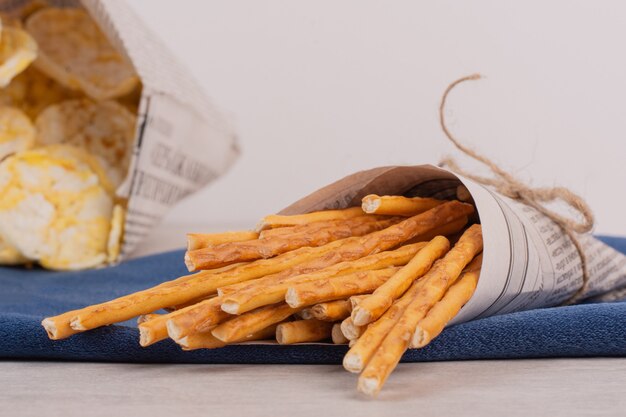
(26, 297)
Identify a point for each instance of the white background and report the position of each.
(320, 89)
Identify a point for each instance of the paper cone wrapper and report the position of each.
(183, 142)
(528, 261)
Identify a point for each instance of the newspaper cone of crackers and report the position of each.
(90, 152)
(380, 261)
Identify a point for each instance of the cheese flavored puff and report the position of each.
(56, 207)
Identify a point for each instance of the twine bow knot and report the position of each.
(506, 184)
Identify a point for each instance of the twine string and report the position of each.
(506, 184)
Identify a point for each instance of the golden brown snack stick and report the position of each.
(146, 317)
(362, 282)
(463, 194)
(343, 260)
(205, 283)
(446, 309)
(322, 257)
(190, 303)
(324, 224)
(305, 314)
(331, 311)
(207, 240)
(337, 335)
(204, 315)
(359, 355)
(183, 290)
(276, 220)
(302, 331)
(182, 322)
(326, 256)
(434, 285)
(350, 330)
(271, 290)
(58, 327)
(372, 307)
(199, 317)
(279, 231)
(205, 340)
(357, 247)
(228, 253)
(364, 348)
(240, 326)
(152, 331)
(397, 205)
(446, 230)
(355, 300)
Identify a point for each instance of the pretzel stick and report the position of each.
(446, 309)
(58, 327)
(463, 194)
(189, 303)
(337, 335)
(207, 240)
(146, 317)
(362, 282)
(350, 330)
(240, 326)
(279, 231)
(447, 229)
(152, 331)
(331, 254)
(205, 283)
(271, 290)
(305, 314)
(344, 260)
(324, 224)
(275, 220)
(206, 340)
(180, 291)
(205, 315)
(228, 253)
(372, 307)
(421, 224)
(331, 311)
(303, 331)
(364, 348)
(180, 323)
(435, 283)
(355, 300)
(397, 205)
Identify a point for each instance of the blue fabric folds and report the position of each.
(26, 297)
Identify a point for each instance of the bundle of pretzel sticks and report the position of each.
(383, 277)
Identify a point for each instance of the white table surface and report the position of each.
(539, 387)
